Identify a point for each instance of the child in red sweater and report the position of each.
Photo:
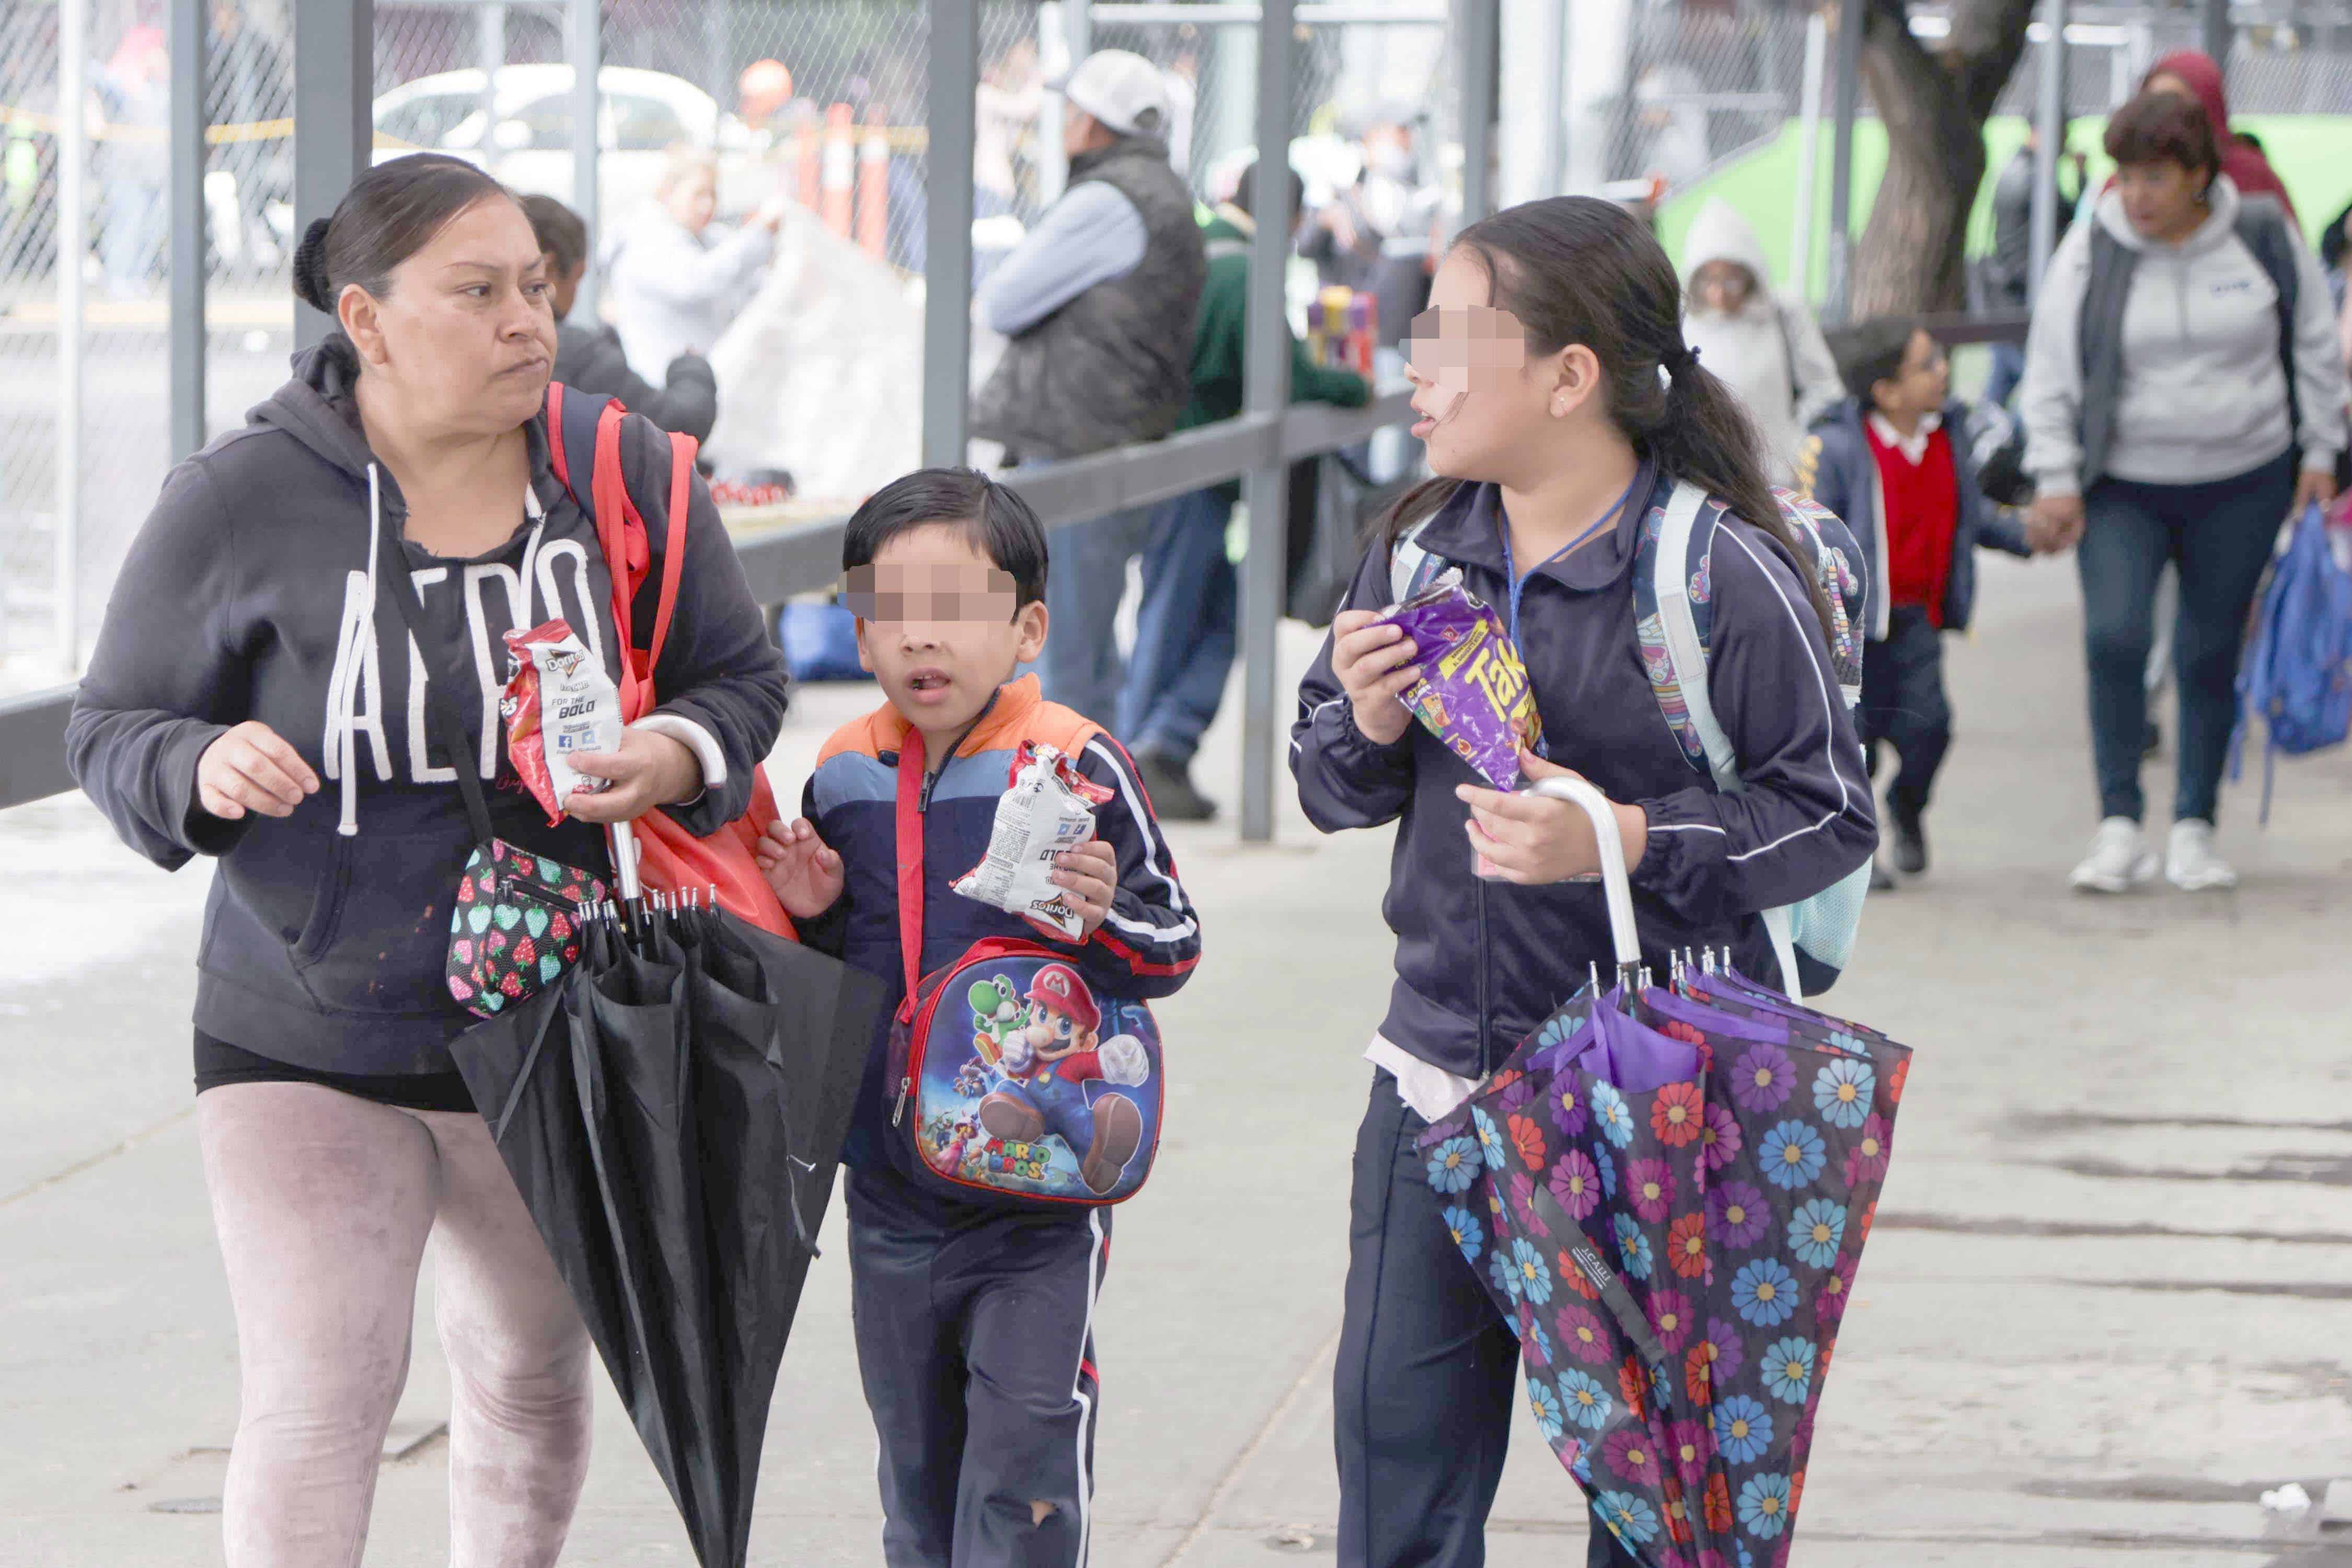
(1892, 462)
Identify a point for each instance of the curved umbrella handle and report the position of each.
(1615, 881)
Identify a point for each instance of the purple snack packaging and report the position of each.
(1473, 693)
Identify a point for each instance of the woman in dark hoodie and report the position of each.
(1561, 404)
(255, 697)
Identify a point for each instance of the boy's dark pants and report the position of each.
(975, 1343)
(1903, 705)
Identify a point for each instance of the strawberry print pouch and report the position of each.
(516, 927)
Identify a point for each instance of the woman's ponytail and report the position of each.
(310, 266)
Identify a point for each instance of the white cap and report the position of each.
(1122, 91)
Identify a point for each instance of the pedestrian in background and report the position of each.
(1892, 462)
(1765, 346)
(2192, 74)
(590, 358)
(2008, 271)
(1099, 303)
(1185, 628)
(1561, 404)
(250, 677)
(680, 279)
(1373, 236)
(2184, 391)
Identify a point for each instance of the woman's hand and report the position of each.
(2311, 485)
(647, 771)
(1087, 875)
(803, 870)
(250, 768)
(1370, 658)
(1535, 841)
(2054, 523)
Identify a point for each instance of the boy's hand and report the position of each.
(805, 874)
(1088, 875)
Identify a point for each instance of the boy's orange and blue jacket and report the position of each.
(1147, 947)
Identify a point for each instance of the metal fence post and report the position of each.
(334, 91)
(73, 247)
(1809, 154)
(1848, 105)
(2216, 30)
(189, 21)
(1265, 382)
(2050, 127)
(586, 24)
(1475, 25)
(947, 231)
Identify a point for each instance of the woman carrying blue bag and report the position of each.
(1560, 408)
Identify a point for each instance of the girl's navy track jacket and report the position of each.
(1479, 964)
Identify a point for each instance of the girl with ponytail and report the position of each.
(1560, 407)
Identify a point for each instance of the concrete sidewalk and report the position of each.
(2097, 1317)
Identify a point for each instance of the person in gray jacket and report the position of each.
(257, 699)
(1098, 302)
(2183, 395)
(590, 357)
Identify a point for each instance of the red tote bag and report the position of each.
(670, 858)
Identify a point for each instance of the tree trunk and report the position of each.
(1933, 106)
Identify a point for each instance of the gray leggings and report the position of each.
(323, 1203)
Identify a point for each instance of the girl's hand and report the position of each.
(1371, 662)
(1535, 841)
(251, 768)
(647, 770)
(1087, 876)
(805, 874)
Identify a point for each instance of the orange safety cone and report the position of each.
(839, 158)
(873, 187)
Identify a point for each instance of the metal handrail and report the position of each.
(807, 557)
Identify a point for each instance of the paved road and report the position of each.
(2098, 1316)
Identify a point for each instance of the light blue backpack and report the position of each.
(1674, 616)
(2297, 673)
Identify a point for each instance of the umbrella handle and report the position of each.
(625, 858)
(1614, 882)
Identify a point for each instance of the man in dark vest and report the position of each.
(1099, 303)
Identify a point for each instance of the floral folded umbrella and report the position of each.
(1666, 1192)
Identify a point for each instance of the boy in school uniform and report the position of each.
(1892, 462)
(973, 1322)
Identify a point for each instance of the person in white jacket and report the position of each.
(2182, 355)
(680, 279)
(1768, 349)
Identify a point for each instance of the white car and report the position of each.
(526, 127)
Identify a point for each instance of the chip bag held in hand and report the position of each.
(1473, 693)
(559, 704)
(1050, 807)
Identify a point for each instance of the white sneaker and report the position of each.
(2189, 863)
(2119, 861)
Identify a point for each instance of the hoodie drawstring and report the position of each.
(345, 697)
(363, 639)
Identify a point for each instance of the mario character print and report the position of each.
(1044, 1073)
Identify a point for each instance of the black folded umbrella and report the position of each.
(672, 1110)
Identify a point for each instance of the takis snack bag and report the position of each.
(1049, 807)
(1473, 693)
(559, 704)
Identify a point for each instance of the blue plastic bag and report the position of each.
(2297, 671)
